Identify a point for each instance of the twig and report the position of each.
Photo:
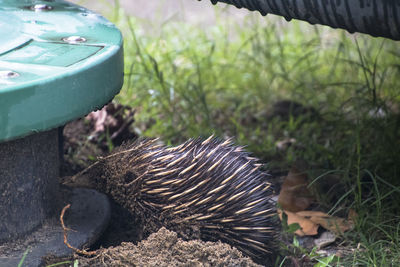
(77, 250)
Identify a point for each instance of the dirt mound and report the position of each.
(164, 248)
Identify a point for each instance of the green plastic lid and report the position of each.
(58, 62)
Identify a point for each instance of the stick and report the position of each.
(65, 229)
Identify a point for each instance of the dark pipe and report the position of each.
(379, 18)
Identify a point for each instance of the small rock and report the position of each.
(325, 239)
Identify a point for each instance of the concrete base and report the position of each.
(31, 201)
(29, 171)
(88, 217)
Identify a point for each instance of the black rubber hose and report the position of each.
(379, 18)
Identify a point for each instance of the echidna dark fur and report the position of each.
(209, 185)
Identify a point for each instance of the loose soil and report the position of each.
(164, 248)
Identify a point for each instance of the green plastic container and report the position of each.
(58, 62)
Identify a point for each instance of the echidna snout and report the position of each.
(208, 189)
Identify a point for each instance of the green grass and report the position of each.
(187, 82)
(21, 262)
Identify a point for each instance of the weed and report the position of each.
(21, 262)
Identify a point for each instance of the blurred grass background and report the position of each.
(289, 92)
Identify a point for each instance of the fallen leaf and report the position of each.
(99, 118)
(307, 226)
(114, 120)
(309, 222)
(294, 195)
(352, 216)
(334, 224)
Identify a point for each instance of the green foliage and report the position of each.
(21, 262)
(327, 261)
(187, 82)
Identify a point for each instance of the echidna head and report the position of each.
(90, 177)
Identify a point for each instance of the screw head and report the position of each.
(41, 7)
(8, 74)
(74, 39)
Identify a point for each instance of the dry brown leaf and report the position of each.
(334, 224)
(312, 213)
(114, 120)
(294, 195)
(352, 216)
(308, 227)
(309, 222)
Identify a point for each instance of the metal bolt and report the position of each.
(41, 7)
(74, 39)
(8, 74)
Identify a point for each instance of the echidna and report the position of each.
(207, 189)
